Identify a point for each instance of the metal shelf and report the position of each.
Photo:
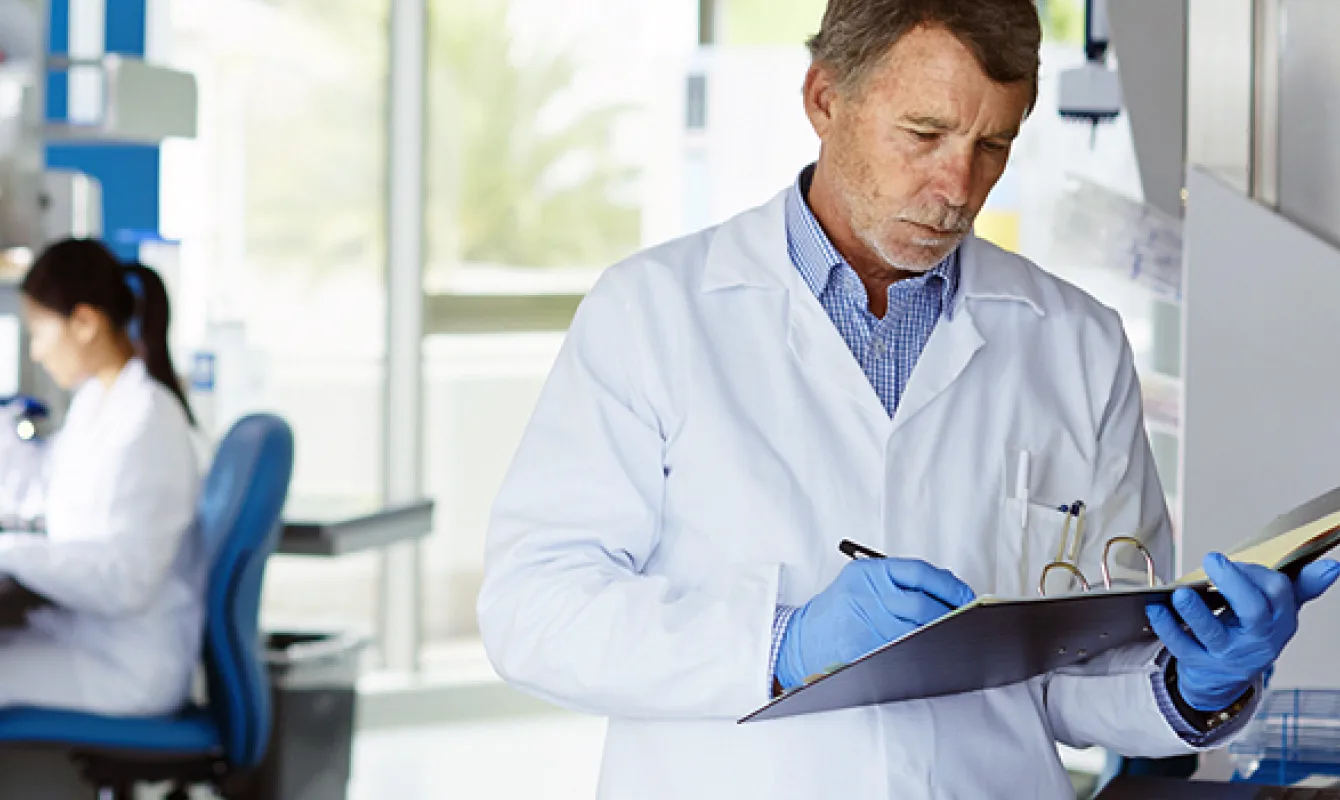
(141, 103)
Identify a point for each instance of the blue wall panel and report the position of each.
(58, 44)
(127, 27)
(129, 174)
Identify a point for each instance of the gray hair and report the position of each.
(1003, 35)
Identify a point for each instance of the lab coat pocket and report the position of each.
(1028, 539)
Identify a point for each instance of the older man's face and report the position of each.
(913, 152)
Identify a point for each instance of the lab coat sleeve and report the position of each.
(118, 565)
(567, 610)
(1111, 700)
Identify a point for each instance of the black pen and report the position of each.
(854, 551)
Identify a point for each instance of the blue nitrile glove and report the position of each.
(871, 603)
(1222, 656)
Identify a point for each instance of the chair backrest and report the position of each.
(238, 520)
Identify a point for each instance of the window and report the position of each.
(564, 137)
(542, 139)
(279, 203)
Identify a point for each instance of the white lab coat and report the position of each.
(120, 560)
(704, 442)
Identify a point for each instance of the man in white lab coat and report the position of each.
(849, 361)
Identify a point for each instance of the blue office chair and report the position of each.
(238, 518)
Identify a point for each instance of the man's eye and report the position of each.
(924, 136)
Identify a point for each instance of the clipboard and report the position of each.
(995, 642)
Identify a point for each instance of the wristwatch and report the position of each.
(1203, 721)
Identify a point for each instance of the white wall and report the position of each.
(1262, 389)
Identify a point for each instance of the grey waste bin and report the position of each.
(312, 681)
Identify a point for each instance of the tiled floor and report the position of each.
(545, 757)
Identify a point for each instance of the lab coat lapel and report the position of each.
(750, 251)
(951, 347)
(987, 275)
(824, 356)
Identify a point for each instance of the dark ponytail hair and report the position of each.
(77, 272)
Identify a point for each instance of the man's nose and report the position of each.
(952, 183)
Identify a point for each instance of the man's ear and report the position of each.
(821, 94)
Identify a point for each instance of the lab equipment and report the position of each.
(1294, 735)
(65, 120)
(25, 414)
(23, 455)
(871, 602)
(238, 518)
(11, 346)
(1098, 227)
(227, 376)
(1092, 92)
(140, 103)
(71, 205)
(1174, 789)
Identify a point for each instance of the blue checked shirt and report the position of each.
(888, 349)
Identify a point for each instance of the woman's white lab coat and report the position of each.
(120, 560)
(704, 442)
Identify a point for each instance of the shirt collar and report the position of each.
(815, 257)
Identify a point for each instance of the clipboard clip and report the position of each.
(1067, 553)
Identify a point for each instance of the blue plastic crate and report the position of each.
(1295, 734)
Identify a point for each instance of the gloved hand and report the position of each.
(1222, 656)
(871, 603)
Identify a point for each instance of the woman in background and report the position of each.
(120, 561)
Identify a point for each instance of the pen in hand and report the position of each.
(858, 552)
(854, 551)
(873, 601)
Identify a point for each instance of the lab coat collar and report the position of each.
(134, 372)
(750, 250)
(93, 403)
(987, 272)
